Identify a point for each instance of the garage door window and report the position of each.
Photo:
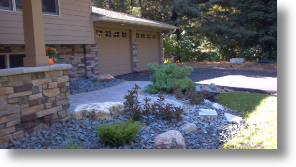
(116, 34)
(123, 34)
(99, 33)
(154, 36)
(142, 35)
(108, 33)
(148, 36)
(137, 35)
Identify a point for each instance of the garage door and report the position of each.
(113, 51)
(147, 49)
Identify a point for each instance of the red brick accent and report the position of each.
(92, 58)
(33, 103)
(22, 88)
(53, 104)
(93, 68)
(60, 85)
(74, 65)
(28, 117)
(82, 60)
(66, 72)
(93, 45)
(47, 118)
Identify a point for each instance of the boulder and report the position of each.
(208, 113)
(214, 87)
(171, 139)
(99, 111)
(237, 60)
(232, 118)
(104, 78)
(190, 128)
(218, 106)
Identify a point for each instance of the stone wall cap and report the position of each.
(25, 70)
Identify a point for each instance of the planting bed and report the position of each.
(212, 133)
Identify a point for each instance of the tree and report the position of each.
(121, 6)
(239, 25)
(110, 5)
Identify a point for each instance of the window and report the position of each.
(16, 61)
(99, 33)
(6, 5)
(116, 34)
(142, 35)
(123, 34)
(137, 35)
(148, 36)
(108, 33)
(153, 36)
(48, 6)
(2, 61)
(12, 60)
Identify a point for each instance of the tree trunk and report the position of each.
(110, 4)
(121, 6)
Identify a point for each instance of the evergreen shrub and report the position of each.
(166, 77)
(119, 133)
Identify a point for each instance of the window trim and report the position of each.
(46, 14)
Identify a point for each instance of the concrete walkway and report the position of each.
(112, 94)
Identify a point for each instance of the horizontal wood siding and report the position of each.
(72, 27)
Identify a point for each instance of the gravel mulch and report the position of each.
(212, 133)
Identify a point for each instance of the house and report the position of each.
(90, 41)
(94, 40)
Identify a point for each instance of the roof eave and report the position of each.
(155, 25)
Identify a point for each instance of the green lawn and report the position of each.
(260, 111)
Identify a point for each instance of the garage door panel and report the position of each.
(113, 52)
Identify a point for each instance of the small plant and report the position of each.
(193, 97)
(70, 146)
(119, 133)
(132, 103)
(178, 93)
(202, 95)
(166, 112)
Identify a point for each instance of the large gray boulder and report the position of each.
(104, 78)
(171, 139)
(99, 111)
(190, 128)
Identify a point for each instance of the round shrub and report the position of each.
(168, 77)
(119, 133)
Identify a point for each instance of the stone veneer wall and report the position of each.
(31, 97)
(83, 58)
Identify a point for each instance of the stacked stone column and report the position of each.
(32, 97)
(91, 61)
(135, 56)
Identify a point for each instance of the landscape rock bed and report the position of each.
(88, 85)
(211, 134)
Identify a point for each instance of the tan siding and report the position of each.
(72, 27)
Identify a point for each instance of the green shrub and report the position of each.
(169, 76)
(119, 133)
